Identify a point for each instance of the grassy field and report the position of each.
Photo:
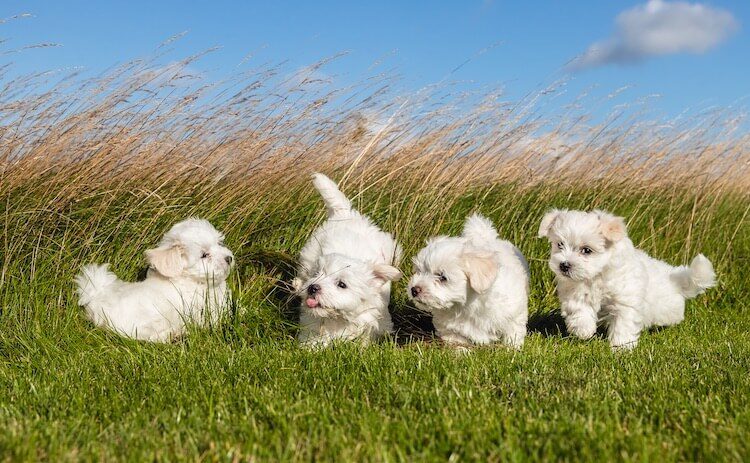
(95, 171)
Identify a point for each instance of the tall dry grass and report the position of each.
(96, 168)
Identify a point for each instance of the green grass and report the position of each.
(245, 390)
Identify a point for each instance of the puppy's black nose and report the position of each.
(564, 267)
(415, 290)
(228, 259)
(313, 289)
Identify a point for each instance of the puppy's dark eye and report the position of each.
(586, 250)
(441, 277)
(341, 285)
(560, 245)
(204, 255)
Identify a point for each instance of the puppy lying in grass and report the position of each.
(186, 282)
(476, 286)
(344, 275)
(602, 278)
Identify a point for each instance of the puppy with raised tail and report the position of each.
(186, 282)
(344, 274)
(476, 286)
(602, 278)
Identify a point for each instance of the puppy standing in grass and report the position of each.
(602, 277)
(476, 286)
(344, 275)
(186, 282)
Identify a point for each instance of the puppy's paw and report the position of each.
(296, 285)
(618, 346)
(581, 327)
(313, 344)
(460, 349)
(621, 339)
(515, 337)
(458, 343)
(516, 345)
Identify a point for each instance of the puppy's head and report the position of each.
(447, 270)
(343, 286)
(581, 241)
(192, 249)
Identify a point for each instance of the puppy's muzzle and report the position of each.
(565, 267)
(228, 260)
(312, 290)
(415, 291)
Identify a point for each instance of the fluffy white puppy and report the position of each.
(344, 274)
(602, 278)
(476, 286)
(186, 282)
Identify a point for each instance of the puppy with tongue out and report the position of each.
(344, 274)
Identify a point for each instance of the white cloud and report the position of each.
(660, 28)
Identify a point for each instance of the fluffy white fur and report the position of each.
(186, 282)
(344, 274)
(476, 286)
(602, 278)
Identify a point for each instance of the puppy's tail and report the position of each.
(695, 279)
(336, 202)
(92, 281)
(479, 228)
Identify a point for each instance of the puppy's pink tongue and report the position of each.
(311, 302)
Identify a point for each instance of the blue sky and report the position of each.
(521, 46)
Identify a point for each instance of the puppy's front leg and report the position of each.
(624, 327)
(580, 317)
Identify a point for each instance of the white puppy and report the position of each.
(344, 274)
(186, 282)
(602, 278)
(476, 286)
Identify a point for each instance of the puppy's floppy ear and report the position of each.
(480, 268)
(613, 228)
(166, 260)
(385, 272)
(547, 221)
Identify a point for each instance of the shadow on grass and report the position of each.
(411, 325)
(548, 324)
(552, 324)
(282, 268)
(142, 273)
